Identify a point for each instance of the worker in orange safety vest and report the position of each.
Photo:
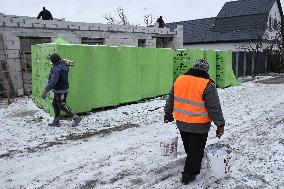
(194, 103)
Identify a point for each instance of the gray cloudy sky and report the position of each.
(94, 10)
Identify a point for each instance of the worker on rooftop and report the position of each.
(45, 14)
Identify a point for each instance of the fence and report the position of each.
(245, 64)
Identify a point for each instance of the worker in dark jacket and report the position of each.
(161, 22)
(45, 14)
(194, 103)
(58, 83)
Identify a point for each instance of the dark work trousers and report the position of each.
(59, 103)
(194, 145)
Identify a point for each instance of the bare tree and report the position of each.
(148, 17)
(272, 45)
(119, 17)
(110, 18)
(122, 16)
(253, 46)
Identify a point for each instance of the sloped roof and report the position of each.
(203, 31)
(237, 21)
(245, 7)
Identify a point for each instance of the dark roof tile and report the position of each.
(245, 7)
(237, 21)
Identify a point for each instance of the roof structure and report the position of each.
(237, 21)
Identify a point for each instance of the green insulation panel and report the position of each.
(210, 56)
(129, 74)
(149, 72)
(184, 59)
(165, 70)
(41, 66)
(224, 74)
(196, 54)
(182, 62)
(104, 76)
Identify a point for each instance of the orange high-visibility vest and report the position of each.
(188, 104)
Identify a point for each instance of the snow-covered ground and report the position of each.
(119, 148)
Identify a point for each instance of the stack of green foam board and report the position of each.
(41, 67)
(210, 56)
(165, 70)
(104, 76)
(182, 62)
(224, 73)
(219, 72)
(184, 59)
(129, 74)
(80, 75)
(149, 70)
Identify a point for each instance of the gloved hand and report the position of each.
(168, 118)
(220, 131)
(44, 95)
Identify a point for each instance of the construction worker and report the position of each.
(194, 103)
(161, 22)
(58, 83)
(45, 14)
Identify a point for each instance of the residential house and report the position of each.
(238, 24)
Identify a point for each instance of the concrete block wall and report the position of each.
(12, 50)
(13, 27)
(178, 38)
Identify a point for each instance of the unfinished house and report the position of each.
(18, 33)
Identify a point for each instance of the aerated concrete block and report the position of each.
(11, 24)
(139, 30)
(38, 25)
(94, 28)
(15, 44)
(13, 54)
(85, 26)
(26, 25)
(50, 24)
(17, 19)
(73, 27)
(61, 24)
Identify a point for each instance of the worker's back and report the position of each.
(45, 14)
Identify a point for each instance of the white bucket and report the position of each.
(218, 159)
(168, 146)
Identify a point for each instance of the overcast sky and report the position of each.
(94, 10)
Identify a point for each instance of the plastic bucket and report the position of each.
(218, 159)
(168, 146)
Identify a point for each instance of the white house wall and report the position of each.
(216, 46)
(223, 46)
(274, 15)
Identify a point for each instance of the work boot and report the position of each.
(76, 120)
(55, 122)
(187, 178)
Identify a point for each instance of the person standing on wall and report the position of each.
(161, 22)
(45, 14)
(58, 83)
(194, 103)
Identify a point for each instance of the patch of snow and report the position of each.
(120, 148)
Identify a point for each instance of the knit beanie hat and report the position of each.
(54, 58)
(201, 64)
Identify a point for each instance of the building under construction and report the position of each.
(19, 33)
